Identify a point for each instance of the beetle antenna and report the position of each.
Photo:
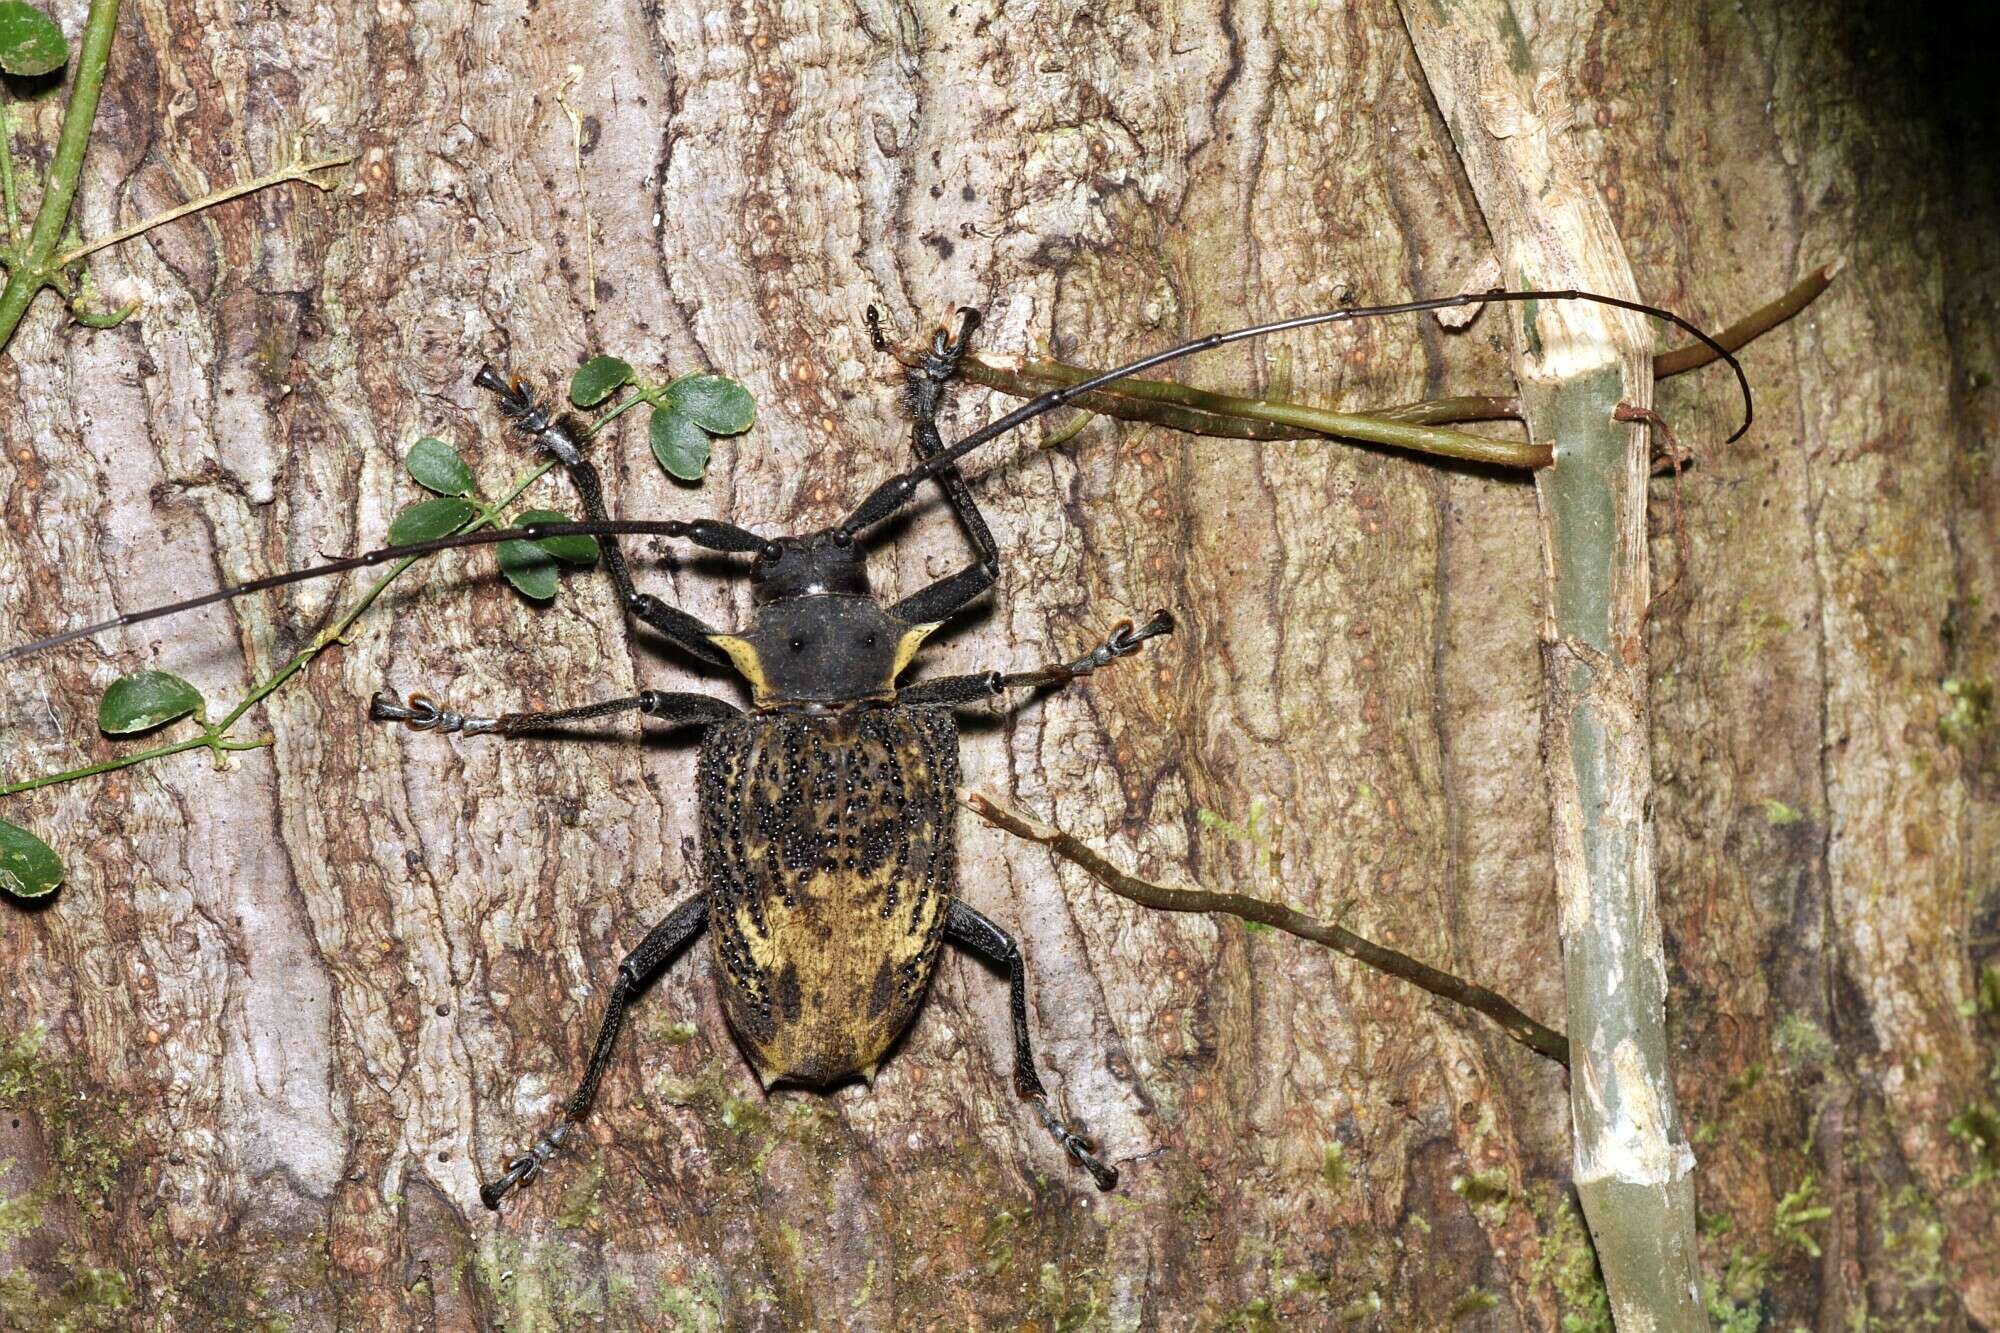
(889, 496)
(702, 532)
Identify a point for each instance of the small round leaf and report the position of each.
(432, 518)
(597, 379)
(28, 867)
(144, 700)
(574, 550)
(437, 467)
(30, 42)
(529, 568)
(679, 443)
(718, 404)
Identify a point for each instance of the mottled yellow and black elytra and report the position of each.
(829, 862)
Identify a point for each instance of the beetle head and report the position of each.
(808, 566)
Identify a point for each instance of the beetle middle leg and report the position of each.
(422, 713)
(682, 925)
(971, 930)
(1123, 641)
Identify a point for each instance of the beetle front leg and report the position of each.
(660, 945)
(971, 930)
(923, 394)
(553, 433)
(1123, 641)
(422, 713)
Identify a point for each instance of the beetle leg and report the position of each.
(923, 394)
(554, 435)
(1123, 641)
(972, 930)
(660, 945)
(422, 713)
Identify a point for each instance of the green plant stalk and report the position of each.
(1633, 1162)
(31, 273)
(296, 170)
(7, 172)
(215, 736)
(207, 740)
(1202, 412)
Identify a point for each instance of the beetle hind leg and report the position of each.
(660, 945)
(972, 930)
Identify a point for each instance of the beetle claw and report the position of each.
(519, 1172)
(1079, 1149)
(525, 1167)
(422, 713)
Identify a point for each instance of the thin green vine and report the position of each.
(215, 735)
(41, 261)
(143, 701)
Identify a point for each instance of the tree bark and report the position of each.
(295, 1010)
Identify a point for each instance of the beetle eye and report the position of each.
(798, 645)
(868, 642)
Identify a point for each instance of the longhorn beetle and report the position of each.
(827, 810)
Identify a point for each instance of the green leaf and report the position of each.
(718, 404)
(679, 443)
(144, 700)
(437, 467)
(432, 518)
(575, 550)
(30, 42)
(28, 867)
(531, 566)
(597, 379)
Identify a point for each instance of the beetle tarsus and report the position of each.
(529, 415)
(527, 1166)
(1123, 640)
(1080, 1149)
(423, 713)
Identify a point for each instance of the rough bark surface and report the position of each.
(294, 1009)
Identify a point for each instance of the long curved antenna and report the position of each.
(702, 532)
(889, 496)
(892, 493)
